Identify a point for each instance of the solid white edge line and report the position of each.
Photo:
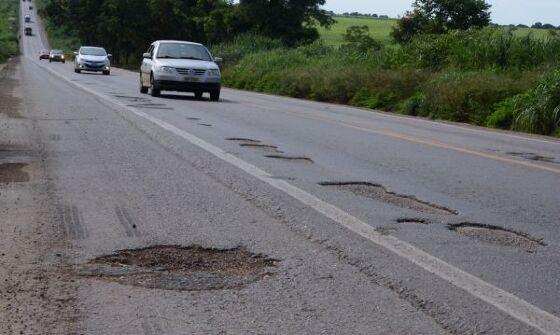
(510, 304)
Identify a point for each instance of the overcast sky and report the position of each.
(503, 11)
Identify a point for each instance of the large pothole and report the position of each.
(497, 235)
(380, 193)
(180, 268)
(13, 173)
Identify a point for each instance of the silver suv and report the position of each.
(92, 59)
(182, 67)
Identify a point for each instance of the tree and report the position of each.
(357, 38)
(293, 21)
(441, 16)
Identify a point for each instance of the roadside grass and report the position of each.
(462, 76)
(8, 29)
(379, 29)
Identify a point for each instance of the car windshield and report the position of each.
(183, 51)
(56, 52)
(89, 51)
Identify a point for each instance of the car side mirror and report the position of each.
(147, 55)
(109, 55)
(218, 60)
(75, 53)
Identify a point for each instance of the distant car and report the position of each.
(44, 54)
(30, 7)
(28, 31)
(180, 66)
(92, 59)
(27, 18)
(56, 55)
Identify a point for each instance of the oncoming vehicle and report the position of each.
(44, 54)
(28, 31)
(180, 66)
(27, 18)
(92, 59)
(57, 56)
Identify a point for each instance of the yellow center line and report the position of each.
(417, 140)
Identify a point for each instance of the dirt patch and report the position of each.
(13, 173)
(533, 157)
(181, 268)
(380, 193)
(291, 158)
(413, 221)
(497, 235)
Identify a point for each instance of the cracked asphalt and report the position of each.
(108, 169)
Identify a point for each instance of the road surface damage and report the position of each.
(498, 235)
(380, 193)
(180, 268)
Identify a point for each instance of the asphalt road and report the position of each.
(355, 207)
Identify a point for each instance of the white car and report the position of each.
(182, 67)
(92, 59)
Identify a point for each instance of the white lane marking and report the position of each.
(510, 304)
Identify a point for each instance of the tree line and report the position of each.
(126, 27)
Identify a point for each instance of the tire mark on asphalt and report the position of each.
(73, 222)
(127, 222)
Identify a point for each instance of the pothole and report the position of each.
(497, 235)
(193, 119)
(291, 158)
(413, 221)
(13, 173)
(181, 268)
(380, 193)
(241, 139)
(533, 157)
(259, 146)
(205, 124)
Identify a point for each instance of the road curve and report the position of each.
(379, 224)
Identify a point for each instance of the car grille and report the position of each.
(191, 72)
(95, 64)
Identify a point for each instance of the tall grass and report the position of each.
(8, 29)
(472, 76)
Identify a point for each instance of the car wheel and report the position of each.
(77, 71)
(106, 73)
(198, 95)
(143, 89)
(50, 61)
(215, 95)
(154, 90)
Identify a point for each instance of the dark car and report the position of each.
(28, 31)
(57, 56)
(44, 54)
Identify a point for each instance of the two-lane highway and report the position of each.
(377, 224)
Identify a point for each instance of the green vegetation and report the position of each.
(380, 29)
(8, 29)
(465, 76)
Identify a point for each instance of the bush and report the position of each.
(541, 111)
(8, 29)
(243, 45)
(468, 97)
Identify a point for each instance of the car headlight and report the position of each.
(167, 69)
(213, 73)
(62, 56)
